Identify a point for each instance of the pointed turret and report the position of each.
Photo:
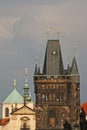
(68, 69)
(74, 70)
(27, 95)
(36, 70)
(53, 64)
(37, 67)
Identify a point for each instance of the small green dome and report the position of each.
(26, 84)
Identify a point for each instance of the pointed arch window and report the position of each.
(6, 112)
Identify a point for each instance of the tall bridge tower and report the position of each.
(57, 90)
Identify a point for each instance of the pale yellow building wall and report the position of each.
(15, 122)
(9, 105)
(0, 127)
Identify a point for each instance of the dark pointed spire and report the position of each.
(74, 71)
(74, 68)
(36, 70)
(53, 64)
(68, 69)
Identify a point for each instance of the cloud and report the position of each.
(69, 16)
(6, 27)
(66, 15)
(25, 24)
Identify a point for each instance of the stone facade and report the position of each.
(57, 93)
(23, 118)
(58, 100)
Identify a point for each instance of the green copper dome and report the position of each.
(14, 97)
(26, 86)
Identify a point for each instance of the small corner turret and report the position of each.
(73, 71)
(37, 66)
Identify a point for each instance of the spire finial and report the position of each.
(74, 48)
(37, 66)
(37, 60)
(14, 83)
(58, 33)
(48, 31)
(26, 71)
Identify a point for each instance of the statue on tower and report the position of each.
(67, 125)
(83, 121)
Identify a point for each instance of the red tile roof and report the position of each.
(4, 121)
(84, 106)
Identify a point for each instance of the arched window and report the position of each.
(6, 112)
(51, 118)
(43, 97)
(54, 96)
(25, 123)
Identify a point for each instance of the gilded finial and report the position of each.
(58, 33)
(48, 31)
(74, 47)
(26, 71)
(14, 83)
(37, 60)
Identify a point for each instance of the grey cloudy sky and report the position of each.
(23, 25)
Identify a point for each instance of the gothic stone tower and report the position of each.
(57, 90)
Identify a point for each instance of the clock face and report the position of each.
(54, 52)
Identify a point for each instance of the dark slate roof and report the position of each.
(53, 64)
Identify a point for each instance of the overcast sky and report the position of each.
(23, 25)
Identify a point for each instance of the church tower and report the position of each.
(57, 90)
